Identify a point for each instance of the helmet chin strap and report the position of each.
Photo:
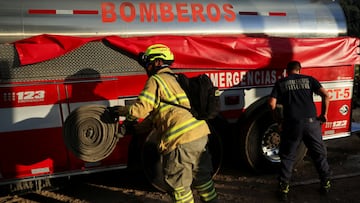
(161, 67)
(156, 69)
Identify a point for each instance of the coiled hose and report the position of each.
(90, 133)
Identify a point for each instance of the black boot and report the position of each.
(325, 186)
(283, 192)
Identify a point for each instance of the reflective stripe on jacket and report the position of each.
(175, 125)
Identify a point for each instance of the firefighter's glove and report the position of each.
(117, 111)
(322, 119)
(128, 127)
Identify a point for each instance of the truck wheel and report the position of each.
(151, 160)
(260, 143)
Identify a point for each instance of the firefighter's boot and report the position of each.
(283, 192)
(182, 195)
(325, 187)
(207, 192)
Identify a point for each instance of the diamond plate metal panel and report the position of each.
(90, 60)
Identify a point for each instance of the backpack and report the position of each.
(202, 94)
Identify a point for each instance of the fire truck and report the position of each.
(73, 58)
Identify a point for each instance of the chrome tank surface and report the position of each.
(289, 18)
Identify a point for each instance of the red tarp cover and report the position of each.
(209, 51)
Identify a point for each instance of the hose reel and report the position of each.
(90, 133)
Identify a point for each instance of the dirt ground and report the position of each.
(232, 184)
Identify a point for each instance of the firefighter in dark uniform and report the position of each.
(300, 123)
(182, 139)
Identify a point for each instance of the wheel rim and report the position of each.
(270, 143)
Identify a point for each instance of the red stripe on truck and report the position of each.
(41, 11)
(62, 12)
(277, 14)
(92, 12)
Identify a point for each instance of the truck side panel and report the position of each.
(37, 98)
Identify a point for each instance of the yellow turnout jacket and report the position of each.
(175, 125)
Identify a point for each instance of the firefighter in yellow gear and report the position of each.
(182, 138)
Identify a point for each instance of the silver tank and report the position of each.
(291, 18)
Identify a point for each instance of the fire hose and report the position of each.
(90, 133)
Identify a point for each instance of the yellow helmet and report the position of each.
(157, 51)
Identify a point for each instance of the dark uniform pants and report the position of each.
(308, 131)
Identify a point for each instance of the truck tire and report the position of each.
(151, 160)
(260, 141)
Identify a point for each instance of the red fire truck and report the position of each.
(57, 57)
